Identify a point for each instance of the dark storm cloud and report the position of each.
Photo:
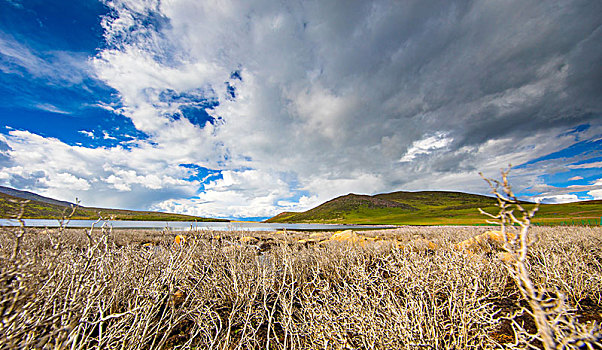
(346, 90)
(29, 181)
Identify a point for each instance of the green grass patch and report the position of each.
(434, 208)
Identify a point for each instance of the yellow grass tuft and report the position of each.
(348, 236)
(416, 245)
(248, 239)
(488, 241)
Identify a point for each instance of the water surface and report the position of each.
(187, 225)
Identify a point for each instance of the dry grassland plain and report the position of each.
(406, 288)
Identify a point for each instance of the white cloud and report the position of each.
(106, 136)
(123, 180)
(65, 172)
(66, 180)
(426, 145)
(575, 178)
(592, 165)
(248, 193)
(547, 189)
(596, 194)
(51, 108)
(552, 194)
(65, 68)
(15, 3)
(556, 199)
(90, 134)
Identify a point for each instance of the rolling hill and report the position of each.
(430, 208)
(32, 196)
(40, 207)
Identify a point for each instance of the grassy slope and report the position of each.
(40, 210)
(339, 208)
(431, 208)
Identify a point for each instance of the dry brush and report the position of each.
(104, 289)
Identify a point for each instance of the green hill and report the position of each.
(47, 208)
(339, 209)
(430, 208)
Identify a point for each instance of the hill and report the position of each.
(338, 209)
(41, 207)
(32, 196)
(430, 208)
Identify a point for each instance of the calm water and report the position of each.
(187, 225)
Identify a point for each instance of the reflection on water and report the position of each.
(187, 225)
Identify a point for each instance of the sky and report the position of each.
(245, 109)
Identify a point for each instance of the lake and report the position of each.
(187, 225)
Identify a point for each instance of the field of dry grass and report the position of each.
(125, 289)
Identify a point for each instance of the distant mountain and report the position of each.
(41, 207)
(32, 196)
(428, 208)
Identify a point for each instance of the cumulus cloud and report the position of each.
(97, 176)
(572, 193)
(547, 189)
(318, 99)
(556, 199)
(247, 193)
(596, 194)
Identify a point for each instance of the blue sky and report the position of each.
(244, 109)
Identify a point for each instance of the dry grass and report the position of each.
(104, 289)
